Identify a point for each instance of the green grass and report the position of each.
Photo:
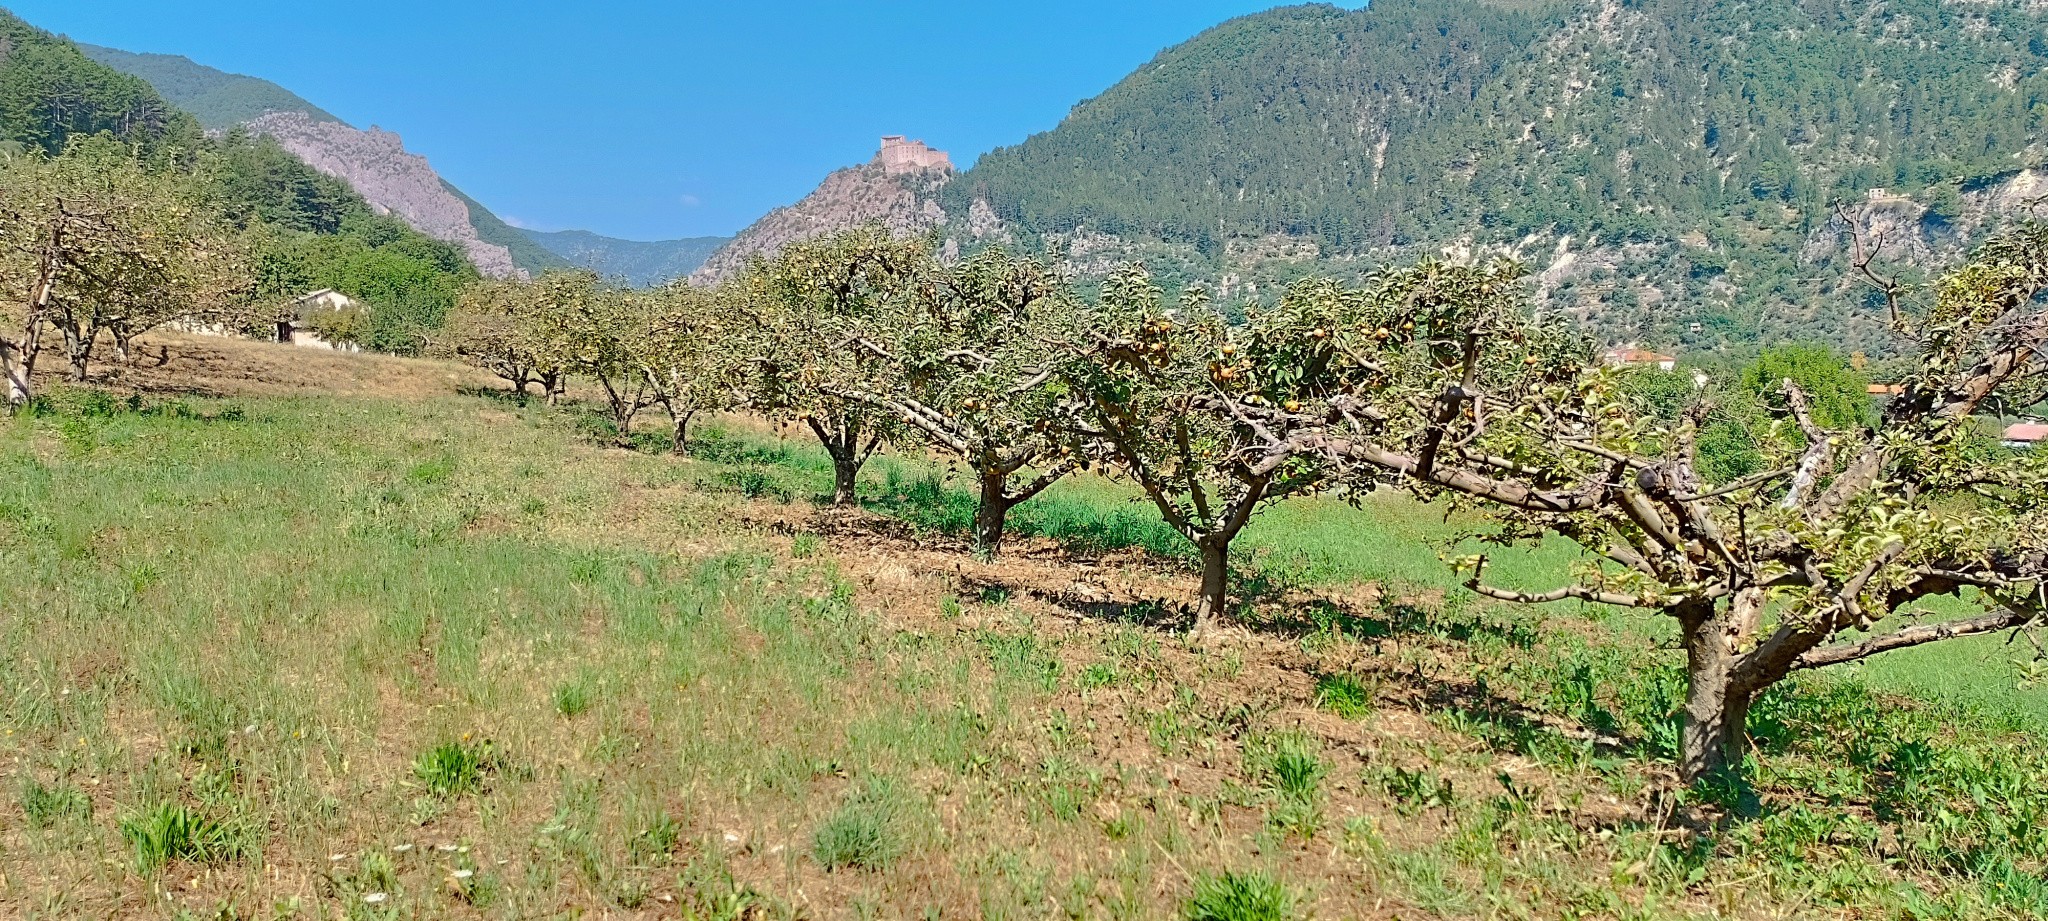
(454, 768)
(266, 638)
(168, 831)
(1386, 538)
(864, 833)
(1240, 897)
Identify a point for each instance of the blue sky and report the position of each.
(652, 120)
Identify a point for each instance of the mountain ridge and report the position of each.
(640, 263)
(1667, 168)
(373, 161)
(895, 189)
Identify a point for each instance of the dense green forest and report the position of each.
(315, 231)
(1702, 143)
(220, 100)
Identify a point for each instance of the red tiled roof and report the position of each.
(1633, 356)
(2026, 431)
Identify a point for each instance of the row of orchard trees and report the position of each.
(100, 245)
(1436, 378)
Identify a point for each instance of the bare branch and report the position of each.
(1912, 636)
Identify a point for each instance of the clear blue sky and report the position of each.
(647, 119)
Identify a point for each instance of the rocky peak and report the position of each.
(899, 189)
(392, 180)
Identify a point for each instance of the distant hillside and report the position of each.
(1668, 164)
(641, 264)
(318, 232)
(1667, 168)
(50, 91)
(220, 100)
(374, 162)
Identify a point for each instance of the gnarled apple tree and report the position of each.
(805, 307)
(1817, 560)
(1152, 388)
(968, 364)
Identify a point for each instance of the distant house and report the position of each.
(1883, 393)
(2024, 434)
(1628, 356)
(303, 327)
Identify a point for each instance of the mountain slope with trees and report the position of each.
(222, 101)
(642, 264)
(1667, 167)
(1667, 164)
(295, 228)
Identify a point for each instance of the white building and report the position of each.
(303, 329)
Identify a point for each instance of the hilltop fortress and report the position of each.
(900, 156)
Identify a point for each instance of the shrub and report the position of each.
(1239, 897)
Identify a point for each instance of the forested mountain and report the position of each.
(220, 100)
(640, 264)
(373, 162)
(306, 230)
(49, 91)
(1668, 165)
(1667, 168)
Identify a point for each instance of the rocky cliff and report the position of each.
(376, 163)
(904, 200)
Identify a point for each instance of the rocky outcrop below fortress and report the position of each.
(899, 189)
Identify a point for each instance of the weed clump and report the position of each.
(863, 834)
(170, 831)
(44, 805)
(1344, 695)
(1250, 896)
(453, 769)
(572, 698)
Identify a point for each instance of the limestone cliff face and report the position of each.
(903, 200)
(394, 181)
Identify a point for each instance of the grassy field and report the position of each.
(444, 656)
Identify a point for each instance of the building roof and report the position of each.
(1635, 356)
(2026, 431)
(1885, 390)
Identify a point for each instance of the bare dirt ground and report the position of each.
(218, 366)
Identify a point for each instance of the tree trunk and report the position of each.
(845, 476)
(682, 430)
(992, 515)
(1715, 734)
(78, 350)
(15, 367)
(1215, 599)
(843, 444)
